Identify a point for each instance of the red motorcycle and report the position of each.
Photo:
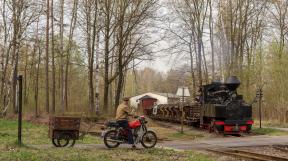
(116, 135)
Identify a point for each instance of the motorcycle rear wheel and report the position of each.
(109, 137)
(149, 139)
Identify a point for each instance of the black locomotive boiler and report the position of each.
(218, 108)
(222, 109)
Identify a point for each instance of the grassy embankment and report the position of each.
(269, 131)
(37, 146)
(271, 124)
(269, 128)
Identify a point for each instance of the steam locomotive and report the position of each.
(218, 108)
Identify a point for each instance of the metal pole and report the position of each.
(182, 110)
(260, 105)
(20, 111)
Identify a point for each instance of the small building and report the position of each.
(144, 102)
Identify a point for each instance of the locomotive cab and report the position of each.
(223, 110)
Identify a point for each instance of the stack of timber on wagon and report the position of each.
(173, 112)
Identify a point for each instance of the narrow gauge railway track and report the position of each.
(281, 148)
(247, 155)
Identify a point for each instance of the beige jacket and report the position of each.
(122, 112)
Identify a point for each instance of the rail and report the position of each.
(247, 154)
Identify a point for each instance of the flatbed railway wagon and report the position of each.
(64, 130)
(173, 113)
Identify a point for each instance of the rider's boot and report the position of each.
(134, 146)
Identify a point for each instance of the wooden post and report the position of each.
(20, 111)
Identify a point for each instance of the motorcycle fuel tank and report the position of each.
(134, 124)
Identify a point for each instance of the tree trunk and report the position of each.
(106, 56)
(36, 90)
(53, 59)
(15, 52)
(25, 101)
(192, 68)
(71, 33)
(62, 54)
(47, 58)
(211, 39)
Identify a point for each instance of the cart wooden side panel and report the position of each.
(61, 124)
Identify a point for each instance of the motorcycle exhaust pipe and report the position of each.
(112, 140)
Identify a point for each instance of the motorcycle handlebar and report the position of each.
(135, 117)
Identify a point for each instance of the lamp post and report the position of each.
(19, 78)
(182, 92)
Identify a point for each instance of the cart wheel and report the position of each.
(63, 140)
(72, 143)
(54, 142)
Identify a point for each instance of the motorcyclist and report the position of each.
(122, 115)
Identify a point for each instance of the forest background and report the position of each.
(84, 56)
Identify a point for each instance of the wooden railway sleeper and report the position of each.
(237, 155)
(248, 154)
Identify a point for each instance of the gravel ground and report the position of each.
(221, 157)
(268, 150)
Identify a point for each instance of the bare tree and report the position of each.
(47, 56)
(70, 41)
(130, 16)
(53, 58)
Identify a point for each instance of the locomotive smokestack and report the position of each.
(232, 83)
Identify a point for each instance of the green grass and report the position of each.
(269, 131)
(73, 154)
(172, 134)
(185, 135)
(37, 146)
(271, 124)
(33, 134)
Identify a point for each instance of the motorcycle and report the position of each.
(116, 135)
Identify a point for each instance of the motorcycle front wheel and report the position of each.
(110, 139)
(149, 139)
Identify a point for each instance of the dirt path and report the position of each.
(248, 141)
(228, 142)
(212, 141)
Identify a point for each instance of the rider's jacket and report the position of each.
(122, 112)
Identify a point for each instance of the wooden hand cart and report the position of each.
(64, 130)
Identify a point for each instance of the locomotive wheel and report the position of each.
(211, 127)
(216, 130)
